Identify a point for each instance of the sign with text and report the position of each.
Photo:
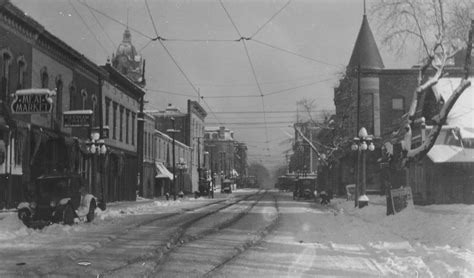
(401, 198)
(80, 118)
(32, 101)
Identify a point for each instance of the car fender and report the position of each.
(83, 208)
(24, 205)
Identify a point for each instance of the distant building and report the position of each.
(191, 134)
(220, 144)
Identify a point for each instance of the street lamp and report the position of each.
(173, 131)
(181, 168)
(96, 146)
(361, 144)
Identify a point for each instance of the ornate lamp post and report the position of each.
(361, 144)
(96, 146)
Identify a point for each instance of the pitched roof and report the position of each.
(365, 52)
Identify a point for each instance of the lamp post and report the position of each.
(173, 131)
(96, 146)
(361, 144)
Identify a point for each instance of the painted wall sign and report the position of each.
(79, 118)
(32, 101)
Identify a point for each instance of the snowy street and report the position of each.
(248, 233)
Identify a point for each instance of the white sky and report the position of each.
(318, 30)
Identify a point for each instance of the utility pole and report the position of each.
(173, 132)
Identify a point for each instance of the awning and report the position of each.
(162, 171)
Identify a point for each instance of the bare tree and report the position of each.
(439, 27)
(424, 22)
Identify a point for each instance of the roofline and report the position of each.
(41, 32)
(124, 81)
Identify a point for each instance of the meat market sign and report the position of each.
(33, 101)
(77, 118)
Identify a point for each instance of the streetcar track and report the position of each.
(250, 243)
(73, 255)
(182, 239)
(172, 242)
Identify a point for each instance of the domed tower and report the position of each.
(128, 62)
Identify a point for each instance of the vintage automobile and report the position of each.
(58, 198)
(226, 186)
(286, 183)
(305, 187)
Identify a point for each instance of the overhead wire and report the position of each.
(102, 28)
(250, 62)
(160, 40)
(271, 18)
(294, 53)
(115, 20)
(88, 28)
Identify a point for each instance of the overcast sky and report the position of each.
(297, 50)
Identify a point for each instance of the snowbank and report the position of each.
(451, 225)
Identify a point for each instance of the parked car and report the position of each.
(58, 198)
(305, 187)
(226, 186)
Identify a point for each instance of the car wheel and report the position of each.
(68, 215)
(91, 214)
(24, 215)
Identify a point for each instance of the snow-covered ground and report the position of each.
(435, 229)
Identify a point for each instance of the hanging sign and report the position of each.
(77, 118)
(33, 101)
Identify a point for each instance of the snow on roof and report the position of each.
(450, 154)
(462, 113)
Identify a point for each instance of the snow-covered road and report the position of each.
(232, 237)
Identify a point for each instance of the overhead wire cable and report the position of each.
(160, 40)
(171, 93)
(298, 87)
(88, 28)
(294, 53)
(250, 61)
(116, 20)
(271, 18)
(102, 27)
(230, 18)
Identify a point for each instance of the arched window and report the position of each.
(44, 77)
(21, 72)
(6, 57)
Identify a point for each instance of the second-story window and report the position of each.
(145, 145)
(6, 61)
(121, 124)
(21, 72)
(127, 126)
(107, 111)
(133, 128)
(114, 121)
(44, 77)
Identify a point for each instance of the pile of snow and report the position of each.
(451, 225)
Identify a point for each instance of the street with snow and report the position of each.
(248, 233)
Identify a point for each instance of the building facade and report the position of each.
(44, 84)
(220, 144)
